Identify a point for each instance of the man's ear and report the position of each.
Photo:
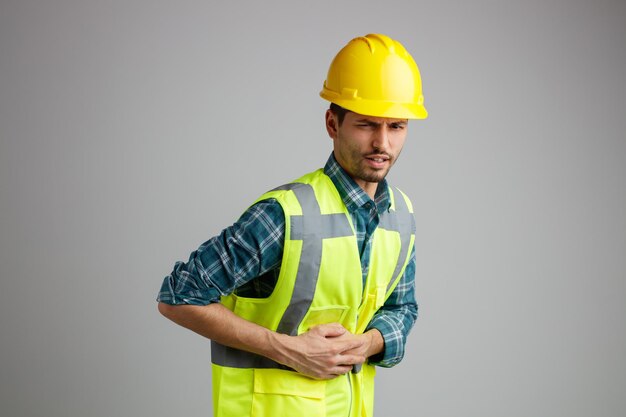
(332, 124)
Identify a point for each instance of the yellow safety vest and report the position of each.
(320, 282)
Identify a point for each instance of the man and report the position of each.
(314, 284)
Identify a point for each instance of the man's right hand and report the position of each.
(324, 352)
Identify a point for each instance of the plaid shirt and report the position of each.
(245, 259)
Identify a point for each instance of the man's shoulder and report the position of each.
(300, 182)
(397, 191)
(399, 199)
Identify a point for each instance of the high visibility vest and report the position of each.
(320, 282)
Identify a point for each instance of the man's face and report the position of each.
(366, 146)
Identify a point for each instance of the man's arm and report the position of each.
(240, 253)
(324, 352)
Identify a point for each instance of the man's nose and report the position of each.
(380, 139)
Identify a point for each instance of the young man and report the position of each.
(314, 284)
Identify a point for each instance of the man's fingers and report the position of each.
(349, 360)
(330, 330)
(352, 344)
(341, 369)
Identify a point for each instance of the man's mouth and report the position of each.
(377, 160)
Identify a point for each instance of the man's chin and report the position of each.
(374, 177)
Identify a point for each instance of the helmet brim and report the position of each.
(378, 108)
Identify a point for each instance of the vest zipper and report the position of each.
(350, 388)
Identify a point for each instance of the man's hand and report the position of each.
(373, 343)
(325, 351)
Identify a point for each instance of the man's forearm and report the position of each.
(216, 322)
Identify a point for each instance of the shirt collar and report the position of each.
(352, 195)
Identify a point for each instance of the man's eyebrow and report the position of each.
(377, 123)
(364, 120)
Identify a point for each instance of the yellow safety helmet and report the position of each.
(374, 75)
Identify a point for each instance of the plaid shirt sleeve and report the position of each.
(396, 317)
(247, 249)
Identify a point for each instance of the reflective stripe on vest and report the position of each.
(311, 228)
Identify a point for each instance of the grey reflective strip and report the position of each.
(400, 220)
(235, 358)
(312, 227)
